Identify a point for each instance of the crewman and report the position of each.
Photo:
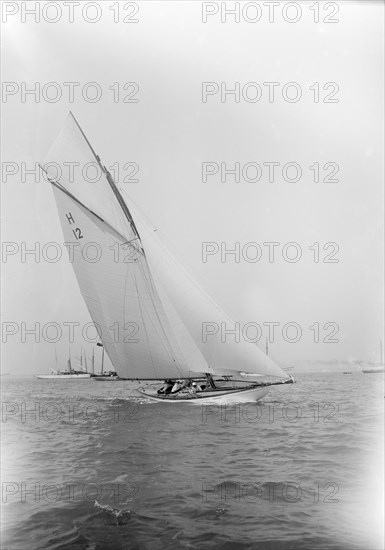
(168, 385)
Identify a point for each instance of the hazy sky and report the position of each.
(170, 132)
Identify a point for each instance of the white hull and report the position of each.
(250, 395)
(61, 376)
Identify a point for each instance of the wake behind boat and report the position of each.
(106, 377)
(148, 309)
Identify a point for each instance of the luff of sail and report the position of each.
(120, 293)
(148, 311)
(121, 298)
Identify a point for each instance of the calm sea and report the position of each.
(90, 465)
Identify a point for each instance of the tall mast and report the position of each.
(100, 344)
(111, 182)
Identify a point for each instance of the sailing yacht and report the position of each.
(148, 310)
(69, 374)
(103, 376)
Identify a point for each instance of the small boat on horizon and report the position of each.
(373, 370)
(103, 376)
(376, 366)
(69, 374)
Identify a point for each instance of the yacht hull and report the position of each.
(61, 376)
(242, 395)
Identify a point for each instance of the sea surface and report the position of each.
(92, 465)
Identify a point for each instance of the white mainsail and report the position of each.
(121, 298)
(148, 310)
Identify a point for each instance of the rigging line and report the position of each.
(143, 322)
(144, 273)
(124, 296)
(110, 181)
(130, 241)
(59, 186)
(153, 295)
(85, 137)
(139, 250)
(131, 273)
(71, 196)
(153, 291)
(165, 340)
(121, 202)
(173, 258)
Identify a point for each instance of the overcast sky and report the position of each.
(170, 132)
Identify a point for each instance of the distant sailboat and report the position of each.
(148, 309)
(108, 376)
(69, 374)
(378, 367)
